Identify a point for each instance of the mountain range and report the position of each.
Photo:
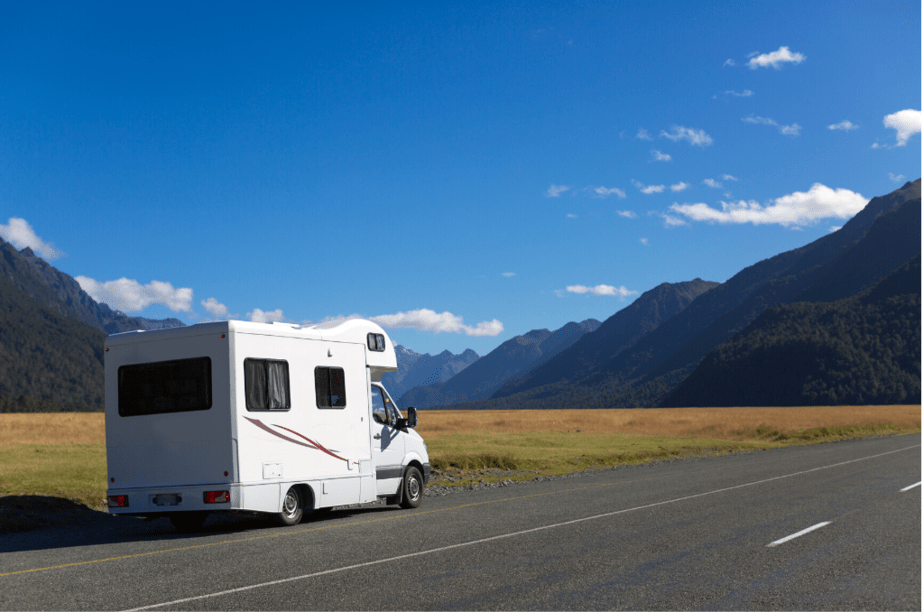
(515, 356)
(836, 321)
(644, 369)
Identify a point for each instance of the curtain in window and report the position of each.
(277, 392)
(255, 383)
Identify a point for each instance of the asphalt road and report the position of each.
(695, 534)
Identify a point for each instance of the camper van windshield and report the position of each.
(165, 386)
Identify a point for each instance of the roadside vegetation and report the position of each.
(63, 455)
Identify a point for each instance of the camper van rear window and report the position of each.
(330, 387)
(266, 384)
(166, 386)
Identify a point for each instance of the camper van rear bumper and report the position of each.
(159, 500)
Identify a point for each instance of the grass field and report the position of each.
(64, 455)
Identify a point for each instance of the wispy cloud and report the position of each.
(620, 292)
(776, 59)
(906, 124)
(509, 274)
(628, 214)
(898, 178)
(788, 130)
(729, 62)
(643, 241)
(796, 209)
(679, 186)
(747, 93)
(649, 189)
(845, 126)
(643, 134)
(572, 216)
(425, 319)
(672, 220)
(712, 183)
(658, 156)
(217, 310)
(20, 234)
(608, 191)
(129, 295)
(260, 316)
(728, 177)
(691, 135)
(556, 190)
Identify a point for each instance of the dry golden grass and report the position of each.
(726, 423)
(52, 428)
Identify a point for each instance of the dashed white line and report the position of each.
(917, 484)
(518, 533)
(799, 533)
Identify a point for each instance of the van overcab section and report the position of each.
(267, 417)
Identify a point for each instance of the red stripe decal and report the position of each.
(312, 444)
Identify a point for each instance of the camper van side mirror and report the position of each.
(412, 417)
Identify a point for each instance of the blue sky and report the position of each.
(461, 173)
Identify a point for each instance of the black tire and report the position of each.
(188, 522)
(293, 508)
(412, 488)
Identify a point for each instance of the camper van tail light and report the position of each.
(216, 497)
(118, 501)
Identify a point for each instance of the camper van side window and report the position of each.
(266, 384)
(330, 387)
(182, 385)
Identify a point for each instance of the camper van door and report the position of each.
(387, 443)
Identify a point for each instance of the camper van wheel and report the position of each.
(412, 491)
(188, 522)
(292, 509)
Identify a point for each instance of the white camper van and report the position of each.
(267, 417)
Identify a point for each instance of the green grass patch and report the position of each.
(71, 471)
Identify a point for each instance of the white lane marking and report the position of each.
(917, 484)
(504, 535)
(800, 533)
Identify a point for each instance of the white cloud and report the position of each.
(796, 209)
(131, 296)
(556, 190)
(628, 214)
(649, 189)
(712, 183)
(425, 319)
(216, 308)
(572, 216)
(679, 186)
(672, 221)
(898, 178)
(729, 62)
(643, 134)
(845, 126)
(259, 316)
(20, 234)
(620, 292)
(658, 156)
(693, 136)
(834, 228)
(643, 241)
(776, 59)
(608, 191)
(509, 274)
(747, 93)
(728, 177)
(788, 130)
(906, 124)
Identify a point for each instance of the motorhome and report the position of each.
(277, 418)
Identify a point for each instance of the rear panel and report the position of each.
(163, 428)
